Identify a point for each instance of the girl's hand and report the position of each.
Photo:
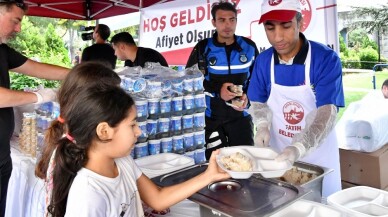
(213, 171)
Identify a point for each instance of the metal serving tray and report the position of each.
(314, 185)
(236, 197)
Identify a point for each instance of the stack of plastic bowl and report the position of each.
(361, 201)
(156, 165)
(308, 208)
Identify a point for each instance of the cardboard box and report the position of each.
(361, 168)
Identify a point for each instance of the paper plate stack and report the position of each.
(306, 208)
(361, 201)
(159, 164)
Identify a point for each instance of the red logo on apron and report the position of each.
(306, 13)
(274, 2)
(293, 112)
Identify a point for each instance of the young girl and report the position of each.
(81, 76)
(94, 174)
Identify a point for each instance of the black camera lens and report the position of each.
(83, 28)
(89, 28)
(87, 36)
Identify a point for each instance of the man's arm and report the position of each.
(193, 58)
(42, 70)
(10, 98)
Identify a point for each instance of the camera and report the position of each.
(87, 35)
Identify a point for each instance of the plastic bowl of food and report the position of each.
(241, 162)
(238, 163)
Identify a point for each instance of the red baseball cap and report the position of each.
(279, 10)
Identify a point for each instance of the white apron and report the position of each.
(290, 106)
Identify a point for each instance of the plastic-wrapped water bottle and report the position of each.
(163, 127)
(166, 145)
(200, 102)
(199, 156)
(188, 104)
(177, 105)
(176, 125)
(177, 144)
(141, 149)
(142, 109)
(177, 86)
(144, 133)
(188, 85)
(154, 146)
(187, 123)
(188, 141)
(165, 107)
(199, 139)
(152, 128)
(198, 84)
(199, 121)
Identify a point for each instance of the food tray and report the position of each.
(236, 197)
(306, 208)
(263, 162)
(155, 165)
(315, 184)
(361, 201)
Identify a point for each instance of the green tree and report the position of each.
(358, 38)
(72, 28)
(368, 57)
(56, 47)
(133, 30)
(38, 40)
(343, 48)
(377, 18)
(29, 41)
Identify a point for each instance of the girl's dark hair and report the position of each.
(223, 5)
(93, 105)
(80, 77)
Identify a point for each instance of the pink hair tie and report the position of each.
(70, 138)
(61, 120)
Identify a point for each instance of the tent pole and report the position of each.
(140, 8)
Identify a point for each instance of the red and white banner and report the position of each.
(175, 27)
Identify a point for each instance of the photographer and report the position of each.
(101, 51)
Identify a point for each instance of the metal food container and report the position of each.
(251, 197)
(315, 184)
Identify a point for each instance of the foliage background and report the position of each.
(39, 41)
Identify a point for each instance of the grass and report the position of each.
(357, 85)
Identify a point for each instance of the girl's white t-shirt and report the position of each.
(94, 195)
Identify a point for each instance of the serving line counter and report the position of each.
(26, 196)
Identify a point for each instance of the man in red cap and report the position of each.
(295, 91)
